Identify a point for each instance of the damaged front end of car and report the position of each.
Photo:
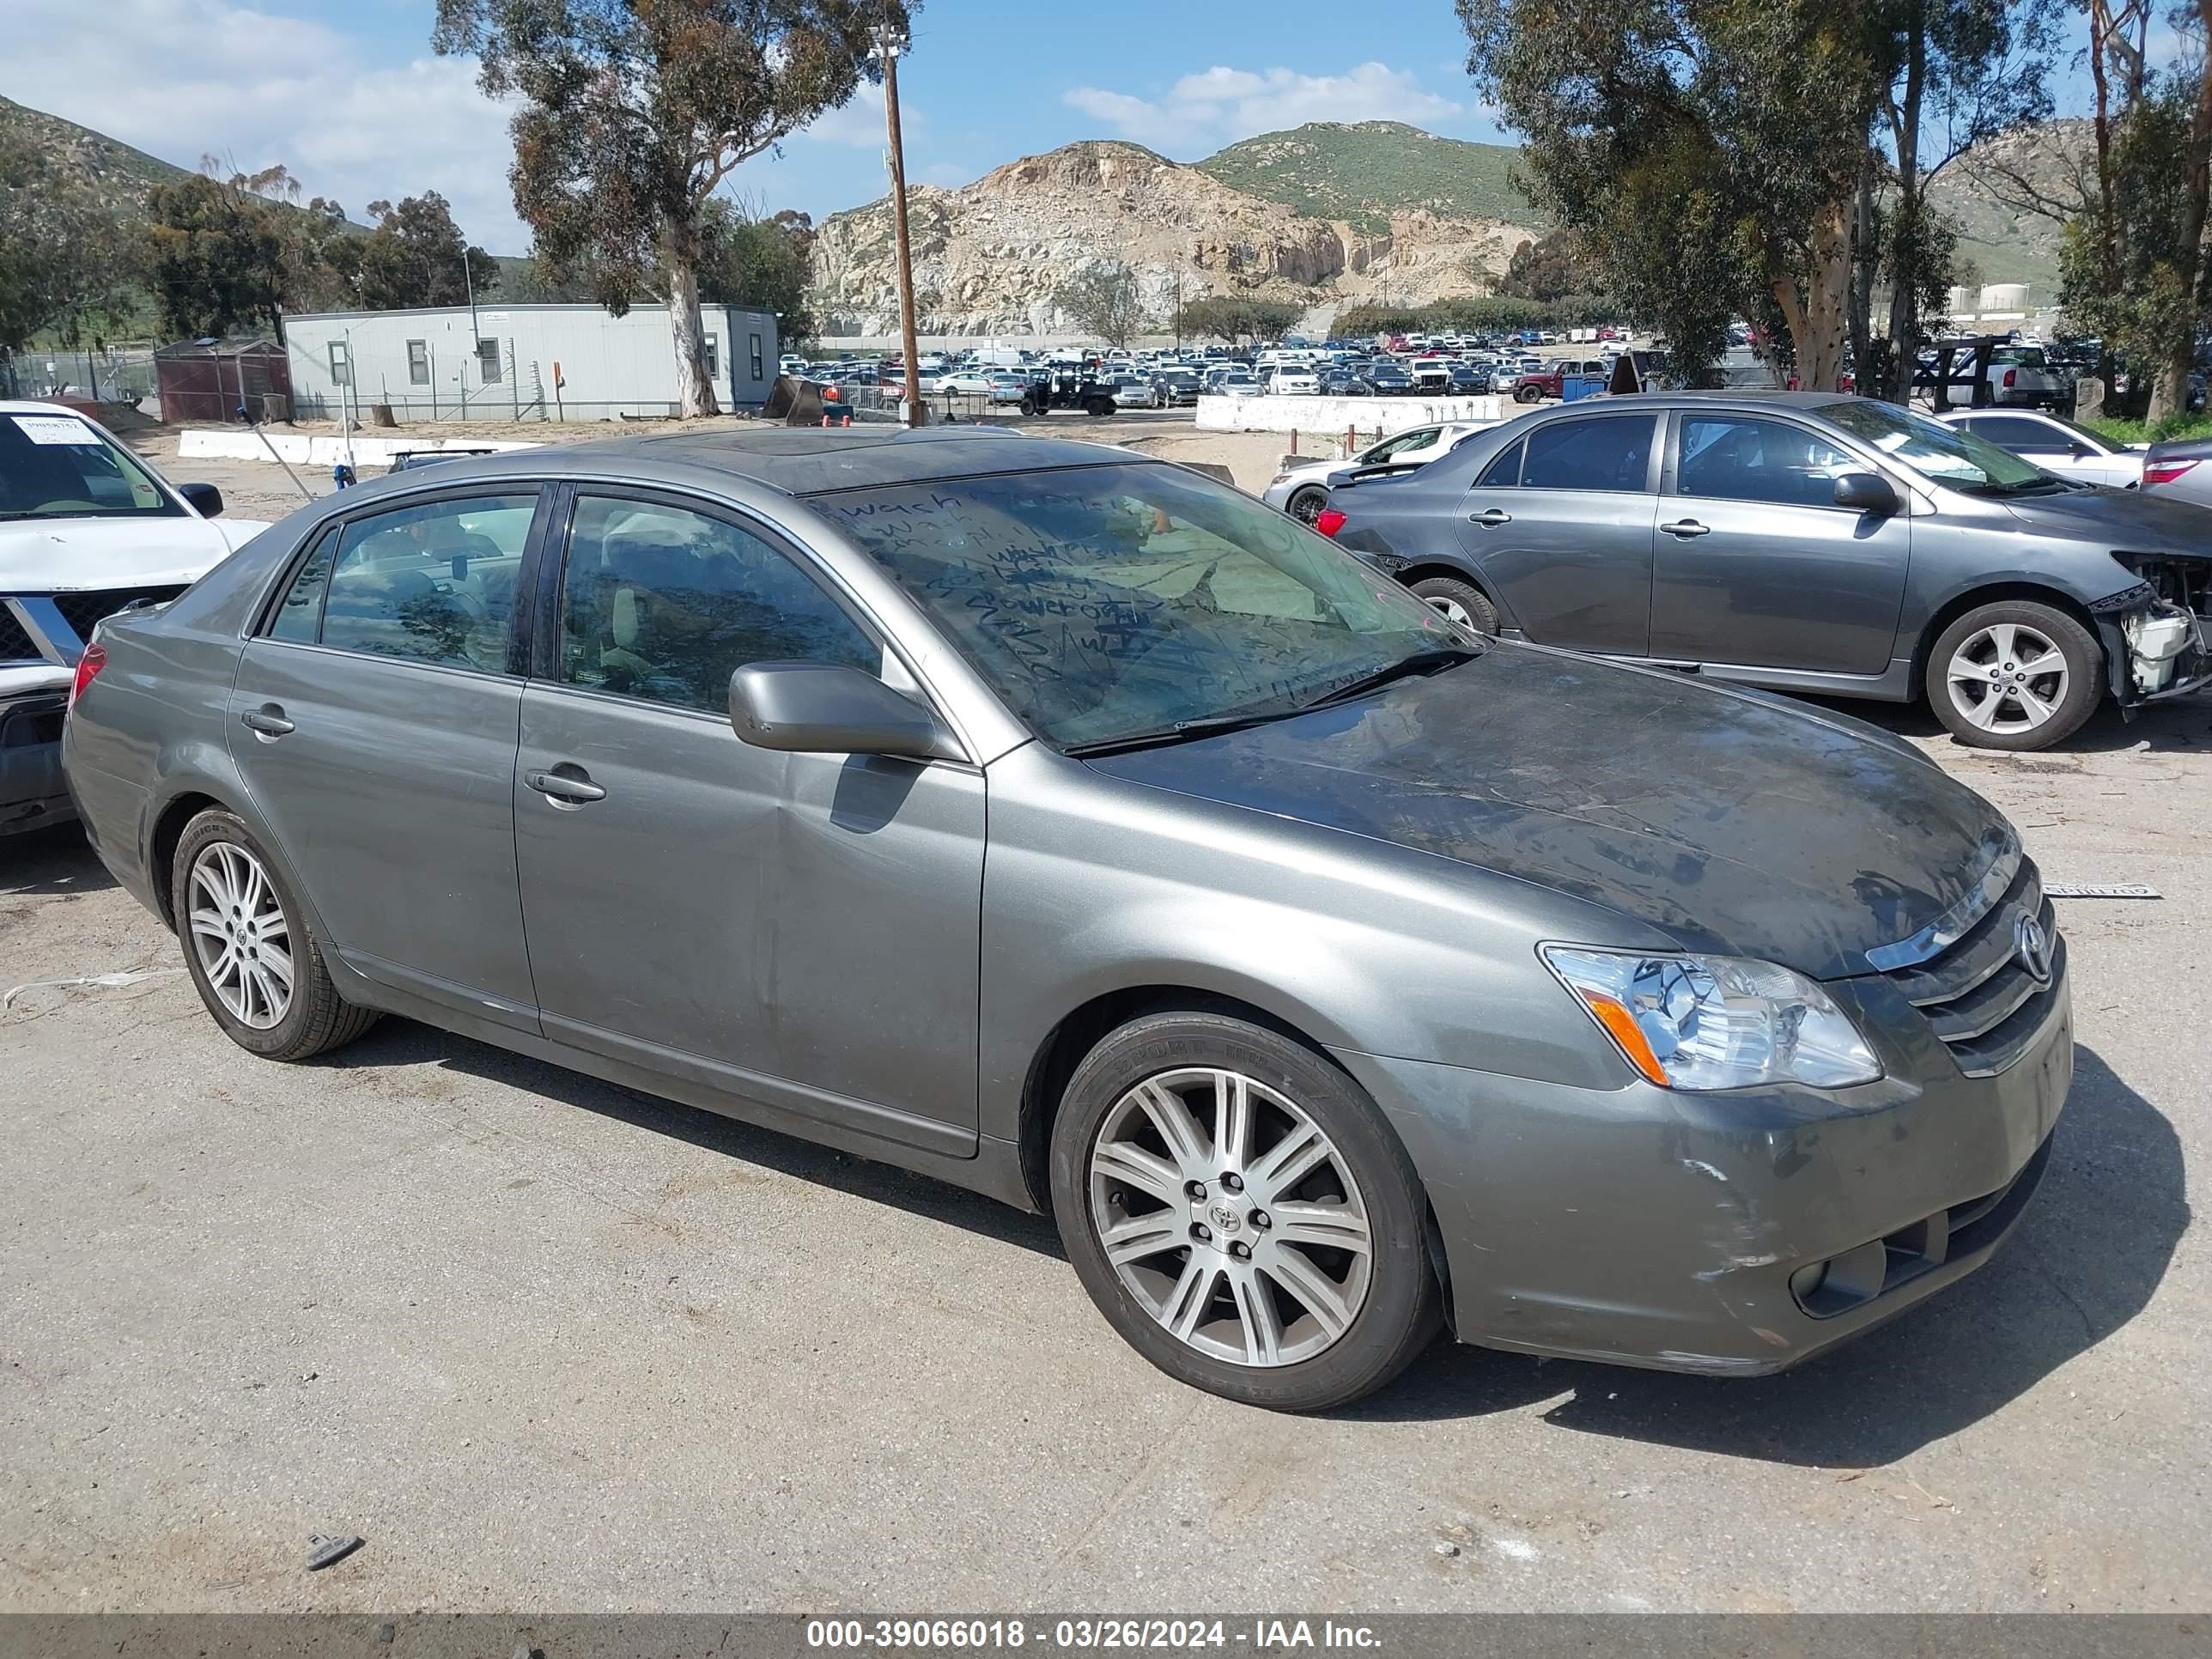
(2158, 634)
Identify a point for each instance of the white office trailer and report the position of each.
(518, 363)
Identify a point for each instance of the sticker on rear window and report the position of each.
(56, 429)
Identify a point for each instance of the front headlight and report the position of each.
(1716, 1022)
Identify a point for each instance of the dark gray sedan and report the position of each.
(1808, 543)
(1074, 828)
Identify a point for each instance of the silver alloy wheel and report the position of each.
(1230, 1217)
(239, 934)
(2007, 678)
(1453, 610)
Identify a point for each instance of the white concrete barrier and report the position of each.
(1364, 415)
(317, 449)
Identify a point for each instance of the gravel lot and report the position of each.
(547, 1343)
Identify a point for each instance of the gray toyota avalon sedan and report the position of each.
(1072, 828)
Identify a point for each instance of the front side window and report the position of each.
(432, 583)
(1420, 437)
(1601, 452)
(2022, 437)
(1103, 602)
(1936, 451)
(666, 604)
(57, 466)
(1729, 457)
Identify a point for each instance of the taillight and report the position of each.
(1328, 521)
(2011, 376)
(94, 660)
(2165, 472)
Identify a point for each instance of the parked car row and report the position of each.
(1422, 976)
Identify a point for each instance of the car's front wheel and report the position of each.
(1306, 502)
(248, 949)
(1241, 1214)
(2015, 675)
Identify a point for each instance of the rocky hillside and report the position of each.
(988, 257)
(1365, 171)
(121, 175)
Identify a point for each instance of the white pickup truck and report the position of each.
(2019, 375)
(86, 529)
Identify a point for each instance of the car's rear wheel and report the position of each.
(248, 949)
(1306, 502)
(1241, 1215)
(2015, 675)
(1527, 394)
(1463, 602)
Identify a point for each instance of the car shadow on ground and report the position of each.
(2179, 726)
(57, 861)
(397, 1041)
(2086, 1258)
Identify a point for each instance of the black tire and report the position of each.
(1402, 1309)
(318, 1018)
(1439, 591)
(1097, 407)
(2083, 688)
(1527, 394)
(1306, 502)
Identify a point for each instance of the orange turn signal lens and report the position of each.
(1621, 1025)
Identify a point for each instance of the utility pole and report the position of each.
(910, 410)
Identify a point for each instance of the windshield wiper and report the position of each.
(1158, 737)
(1433, 661)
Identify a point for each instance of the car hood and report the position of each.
(62, 556)
(2128, 521)
(1735, 823)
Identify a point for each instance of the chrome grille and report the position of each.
(15, 645)
(1978, 995)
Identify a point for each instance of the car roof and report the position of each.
(808, 460)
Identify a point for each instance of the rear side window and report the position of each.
(1504, 468)
(432, 583)
(1601, 453)
(300, 618)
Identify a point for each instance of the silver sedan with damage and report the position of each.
(1074, 828)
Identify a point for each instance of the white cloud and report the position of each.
(1221, 104)
(859, 123)
(184, 78)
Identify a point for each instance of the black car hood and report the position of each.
(2127, 520)
(1735, 823)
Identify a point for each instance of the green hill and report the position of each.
(1365, 171)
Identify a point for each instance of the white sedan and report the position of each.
(1302, 490)
(2055, 444)
(977, 381)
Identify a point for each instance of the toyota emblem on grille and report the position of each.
(2032, 946)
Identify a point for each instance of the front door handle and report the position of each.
(267, 721)
(1491, 518)
(1687, 528)
(561, 788)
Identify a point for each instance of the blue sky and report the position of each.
(348, 95)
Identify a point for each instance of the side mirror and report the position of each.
(203, 498)
(1865, 492)
(822, 707)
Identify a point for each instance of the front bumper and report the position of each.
(33, 793)
(1651, 1227)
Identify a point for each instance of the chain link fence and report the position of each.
(111, 374)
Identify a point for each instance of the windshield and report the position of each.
(57, 467)
(1101, 602)
(1939, 452)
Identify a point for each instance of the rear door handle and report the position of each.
(268, 721)
(1687, 528)
(559, 787)
(1491, 517)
